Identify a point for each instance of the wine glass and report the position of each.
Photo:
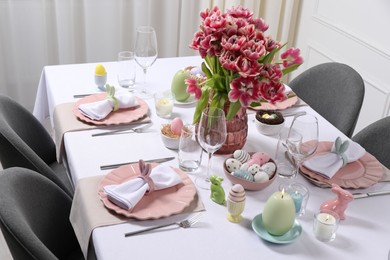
(302, 139)
(145, 52)
(211, 136)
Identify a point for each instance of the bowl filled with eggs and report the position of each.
(170, 133)
(254, 171)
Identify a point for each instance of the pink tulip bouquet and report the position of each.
(239, 62)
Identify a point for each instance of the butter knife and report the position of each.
(113, 166)
(369, 194)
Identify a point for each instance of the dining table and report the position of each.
(363, 234)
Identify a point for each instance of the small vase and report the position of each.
(237, 131)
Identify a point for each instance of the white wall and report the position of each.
(354, 32)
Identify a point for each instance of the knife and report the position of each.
(113, 166)
(369, 194)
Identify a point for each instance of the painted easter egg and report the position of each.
(261, 157)
(254, 168)
(269, 168)
(243, 175)
(232, 164)
(241, 155)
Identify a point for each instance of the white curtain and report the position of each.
(36, 33)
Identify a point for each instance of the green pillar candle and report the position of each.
(279, 213)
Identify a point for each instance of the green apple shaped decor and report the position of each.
(178, 86)
(279, 213)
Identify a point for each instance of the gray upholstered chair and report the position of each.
(335, 91)
(375, 138)
(24, 142)
(34, 217)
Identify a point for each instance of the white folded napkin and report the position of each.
(126, 195)
(100, 109)
(328, 164)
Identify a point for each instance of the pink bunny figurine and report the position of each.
(340, 203)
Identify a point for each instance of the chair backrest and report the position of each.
(335, 91)
(24, 142)
(34, 217)
(375, 138)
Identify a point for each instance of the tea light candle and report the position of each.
(164, 103)
(164, 107)
(297, 198)
(279, 213)
(325, 226)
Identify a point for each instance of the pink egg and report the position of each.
(253, 161)
(176, 125)
(261, 157)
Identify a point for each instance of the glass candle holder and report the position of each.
(325, 225)
(164, 103)
(300, 195)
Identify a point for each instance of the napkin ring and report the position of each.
(145, 170)
(340, 148)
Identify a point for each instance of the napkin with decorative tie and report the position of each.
(126, 195)
(341, 153)
(100, 109)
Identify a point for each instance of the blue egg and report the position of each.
(243, 175)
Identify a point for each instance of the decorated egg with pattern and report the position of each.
(243, 175)
(253, 161)
(233, 164)
(269, 168)
(254, 168)
(241, 155)
(261, 157)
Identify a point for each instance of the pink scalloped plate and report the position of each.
(362, 173)
(289, 102)
(122, 116)
(160, 203)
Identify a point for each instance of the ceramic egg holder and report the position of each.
(236, 203)
(100, 81)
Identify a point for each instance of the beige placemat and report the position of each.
(65, 121)
(88, 211)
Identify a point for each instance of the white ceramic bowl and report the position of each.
(170, 143)
(267, 129)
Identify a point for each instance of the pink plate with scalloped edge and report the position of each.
(122, 116)
(289, 102)
(362, 173)
(160, 203)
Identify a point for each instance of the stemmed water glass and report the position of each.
(211, 136)
(302, 139)
(145, 52)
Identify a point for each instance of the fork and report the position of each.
(122, 131)
(183, 224)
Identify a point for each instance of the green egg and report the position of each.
(179, 87)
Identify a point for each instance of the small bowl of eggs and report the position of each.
(170, 133)
(254, 171)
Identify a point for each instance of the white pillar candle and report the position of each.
(325, 226)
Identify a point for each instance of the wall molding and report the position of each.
(349, 34)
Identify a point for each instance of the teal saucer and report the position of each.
(290, 236)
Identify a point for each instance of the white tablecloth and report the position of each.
(363, 235)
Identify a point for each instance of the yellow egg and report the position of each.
(100, 70)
